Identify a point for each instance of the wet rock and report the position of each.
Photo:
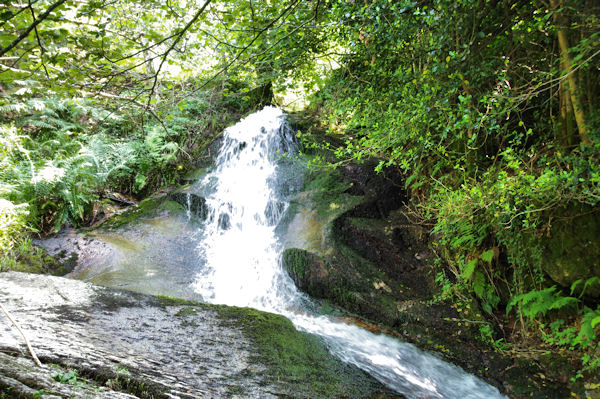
(224, 221)
(194, 176)
(98, 342)
(193, 202)
(147, 255)
(309, 272)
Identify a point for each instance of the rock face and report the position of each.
(195, 203)
(572, 252)
(103, 343)
(146, 250)
(351, 243)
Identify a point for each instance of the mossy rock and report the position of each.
(346, 280)
(364, 255)
(34, 259)
(197, 204)
(572, 252)
(158, 347)
(147, 209)
(297, 362)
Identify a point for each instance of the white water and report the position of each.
(246, 195)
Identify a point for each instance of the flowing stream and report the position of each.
(239, 255)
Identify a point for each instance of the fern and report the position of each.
(589, 321)
(537, 303)
(13, 108)
(589, 282)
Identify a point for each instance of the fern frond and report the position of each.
(13, 108)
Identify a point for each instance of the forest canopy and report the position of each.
(487, 108)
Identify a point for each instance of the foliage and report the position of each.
(495, 129)
(69, 377)
(470, 100)
(11, 222)
(93, 101)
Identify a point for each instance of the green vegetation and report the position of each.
(489, 109)
(93, 104)
(69, 377)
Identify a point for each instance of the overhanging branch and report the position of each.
(31, 27)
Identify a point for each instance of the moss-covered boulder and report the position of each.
(194, 203)
(572, 250)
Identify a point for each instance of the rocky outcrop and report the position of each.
(572, 250)
(101, 343)
(351, 243)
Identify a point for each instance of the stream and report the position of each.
(239, 248)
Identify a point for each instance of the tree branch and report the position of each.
(39, 41)
(136, 102)
(172, 46)
(31, 27)
(239, 54)
(31, 351)
(17, 13)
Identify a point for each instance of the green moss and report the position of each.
(295, 359)
(573, 249)
(195, 174)
(148, 208)
(235, 390)
(378, 227)
(186, 312)
(295, 260)
(171, 206)
(328, 195)
(167, 300)
(33, 259)
(298, 361)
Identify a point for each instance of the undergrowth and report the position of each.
(62, 154)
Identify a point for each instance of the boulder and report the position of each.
(572, 249)
(97, 342)
(192, 202)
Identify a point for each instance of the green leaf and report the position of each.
(469, 269)
(575, 284)
(595, 321)
(488, 255)
(479, 285)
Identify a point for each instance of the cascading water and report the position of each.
(247, 195)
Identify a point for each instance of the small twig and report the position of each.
(39, 41)
(33, 355)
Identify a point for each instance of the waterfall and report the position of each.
(246, 194)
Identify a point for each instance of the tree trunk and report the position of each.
(567, 137)
(573, 89)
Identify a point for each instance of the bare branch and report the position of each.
(31, 351)
(136, 102)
